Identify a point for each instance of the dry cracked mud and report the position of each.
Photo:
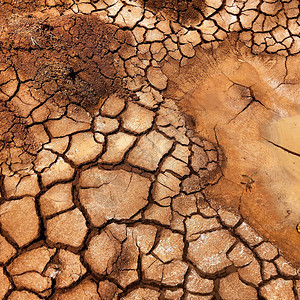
(149, 149)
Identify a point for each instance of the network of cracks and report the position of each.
(103, 177)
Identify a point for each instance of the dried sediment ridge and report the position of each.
(126, 127)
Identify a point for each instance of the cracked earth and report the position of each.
(149, 149)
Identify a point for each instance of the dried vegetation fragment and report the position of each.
(103, 179)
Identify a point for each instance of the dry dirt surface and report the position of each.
(149, 149)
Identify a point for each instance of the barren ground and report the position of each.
(149, 149)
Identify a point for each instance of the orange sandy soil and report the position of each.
(249, 106)
(149, 149)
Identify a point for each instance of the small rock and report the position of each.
(99, 137)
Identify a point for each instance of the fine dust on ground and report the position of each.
(244, 103)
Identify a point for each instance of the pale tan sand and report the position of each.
(286, 133)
